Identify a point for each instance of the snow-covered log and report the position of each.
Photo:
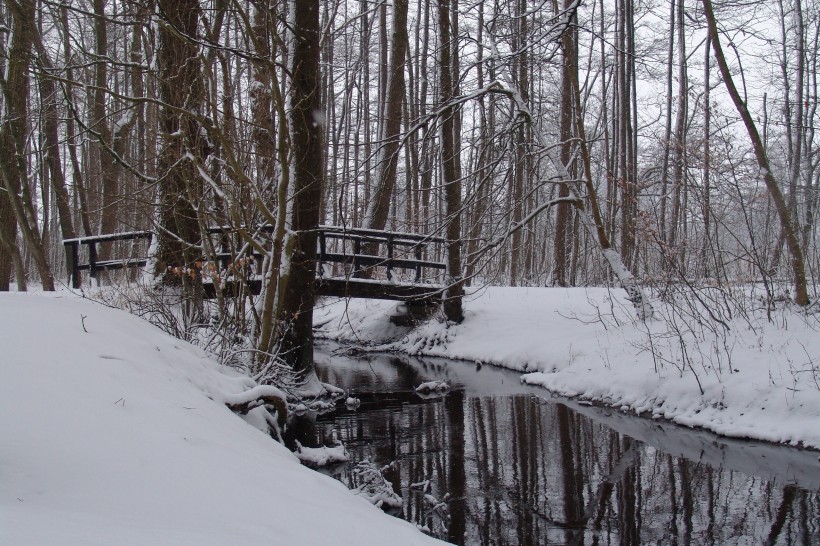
(433, 386)
(260, 395)
(321, 456)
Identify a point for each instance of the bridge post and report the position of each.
(74, 259)
(357, 249)
(389, 257)
(322, 252)
(224, 249)
(92, 260)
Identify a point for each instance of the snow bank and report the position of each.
(112, 432)
(758, 379)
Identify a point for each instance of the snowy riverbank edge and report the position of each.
(756, 377)
(112, 432)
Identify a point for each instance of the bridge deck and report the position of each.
(342, 287)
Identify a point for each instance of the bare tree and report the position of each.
(781, 206)
(13, 162)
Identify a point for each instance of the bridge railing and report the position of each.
(356, 249)
(89, 260)
(93, 264)
(364, 249)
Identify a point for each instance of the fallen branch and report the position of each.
(261, 395)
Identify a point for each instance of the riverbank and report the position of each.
(112, 432)
(717, 361)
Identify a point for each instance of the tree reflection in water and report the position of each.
(514, 468)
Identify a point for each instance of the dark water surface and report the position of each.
(507, 464)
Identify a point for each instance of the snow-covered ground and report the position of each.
(738, 372)
(112, 432)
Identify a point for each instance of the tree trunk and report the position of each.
(51, 130)
(13, 131)
(676, 238)
(667, 133)
(786, 223)
(182, 89)
(9, 253)
(707, 161)
(482, 182)
(99, 122)
(562, 214)
(306, 147)
(516, 188)
(76, 170)
(449, 169)
(388, 154)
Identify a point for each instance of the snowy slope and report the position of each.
(116, 435)
(760, 378)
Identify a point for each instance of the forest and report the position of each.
(659, 146)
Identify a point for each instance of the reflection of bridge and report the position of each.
(354, 263)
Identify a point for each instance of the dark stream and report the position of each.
(508, 464)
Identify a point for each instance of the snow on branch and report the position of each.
(255, 397)
(321, 456)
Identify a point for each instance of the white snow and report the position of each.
(433, 386)
(113, 432)
(760, 378)
(322, 456)
(119, 435)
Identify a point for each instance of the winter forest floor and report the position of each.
(114, 432)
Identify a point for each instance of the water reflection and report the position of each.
(493, 462)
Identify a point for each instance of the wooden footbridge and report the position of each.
(351, 263)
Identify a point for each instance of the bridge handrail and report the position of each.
(123, 236)
(381, 234)
(357, 236)
(214, 230)
(391, 238)
(94, 264)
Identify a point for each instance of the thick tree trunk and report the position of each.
(801, 296)
(8, 245)
(9, 253)
(13, 131)
(387, 156)
(306, 147)
(517, 182)
(181, 88)
(450, 175)
(562, 214)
